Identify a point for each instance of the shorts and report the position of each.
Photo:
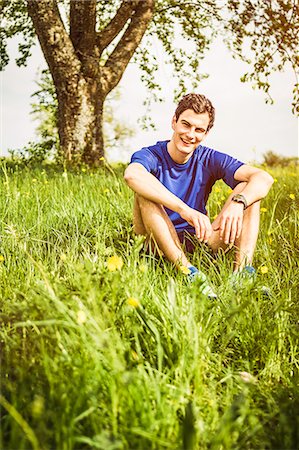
(188, 240)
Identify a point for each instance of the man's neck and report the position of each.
(177, 156)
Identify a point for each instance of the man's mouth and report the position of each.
(186, 142)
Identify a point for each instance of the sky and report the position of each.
(245, 126)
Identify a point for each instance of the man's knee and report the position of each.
(239, 188)
(216, 244)
(147, 205)
(144, 212)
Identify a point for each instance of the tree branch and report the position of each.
(83, 34)
(82, 24)
(123, 52)
(54, 40)
(114, 27)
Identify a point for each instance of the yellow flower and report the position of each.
(184, 270)
(34, 180)
(264, 270)
(229, 191)
(270, 240)
(215, 217)
(83, 169)
(133, 302)
(63, 257)
(217, 190)
(263, 210)
(143, 268)
(292, 196)
(134, 355)
(106, 191)
(275, 180)
(114, 263)
(102, 158)
(1, 258)
(81, 317)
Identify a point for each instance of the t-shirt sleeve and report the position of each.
(225, 167)
(146, 158)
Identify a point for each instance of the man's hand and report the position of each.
(199, 221)
(229, 222)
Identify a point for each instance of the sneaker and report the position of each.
(247, 279)
(197, 276)
(243, 279)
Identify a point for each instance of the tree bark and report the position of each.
(81, 83)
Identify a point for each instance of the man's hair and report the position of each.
(199, 103)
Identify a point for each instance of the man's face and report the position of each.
(189, 130)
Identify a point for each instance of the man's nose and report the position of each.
(191, 133)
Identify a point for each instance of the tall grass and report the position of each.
(135, 358)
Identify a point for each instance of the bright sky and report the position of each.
(245, 126)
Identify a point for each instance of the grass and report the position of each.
(123, 354)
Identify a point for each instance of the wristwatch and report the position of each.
(239, 198)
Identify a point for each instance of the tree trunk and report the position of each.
(82, 83)
(80, 122)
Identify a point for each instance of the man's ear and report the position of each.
(173, 122)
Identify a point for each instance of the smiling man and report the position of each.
(172, 181)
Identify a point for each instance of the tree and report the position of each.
(270, 28)
(272, 159)
(45, 110)
(88, 45)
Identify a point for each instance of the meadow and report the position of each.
(105, 347)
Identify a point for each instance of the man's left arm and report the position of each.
(229, 221)
(258, 183)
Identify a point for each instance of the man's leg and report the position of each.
(151, 220)
(245, 244)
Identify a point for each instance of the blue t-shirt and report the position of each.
(192, 182)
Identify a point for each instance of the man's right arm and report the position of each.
(148, 186)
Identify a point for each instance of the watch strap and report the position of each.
(239, 198)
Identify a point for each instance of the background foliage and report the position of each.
(263, 34)
(44, 109)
